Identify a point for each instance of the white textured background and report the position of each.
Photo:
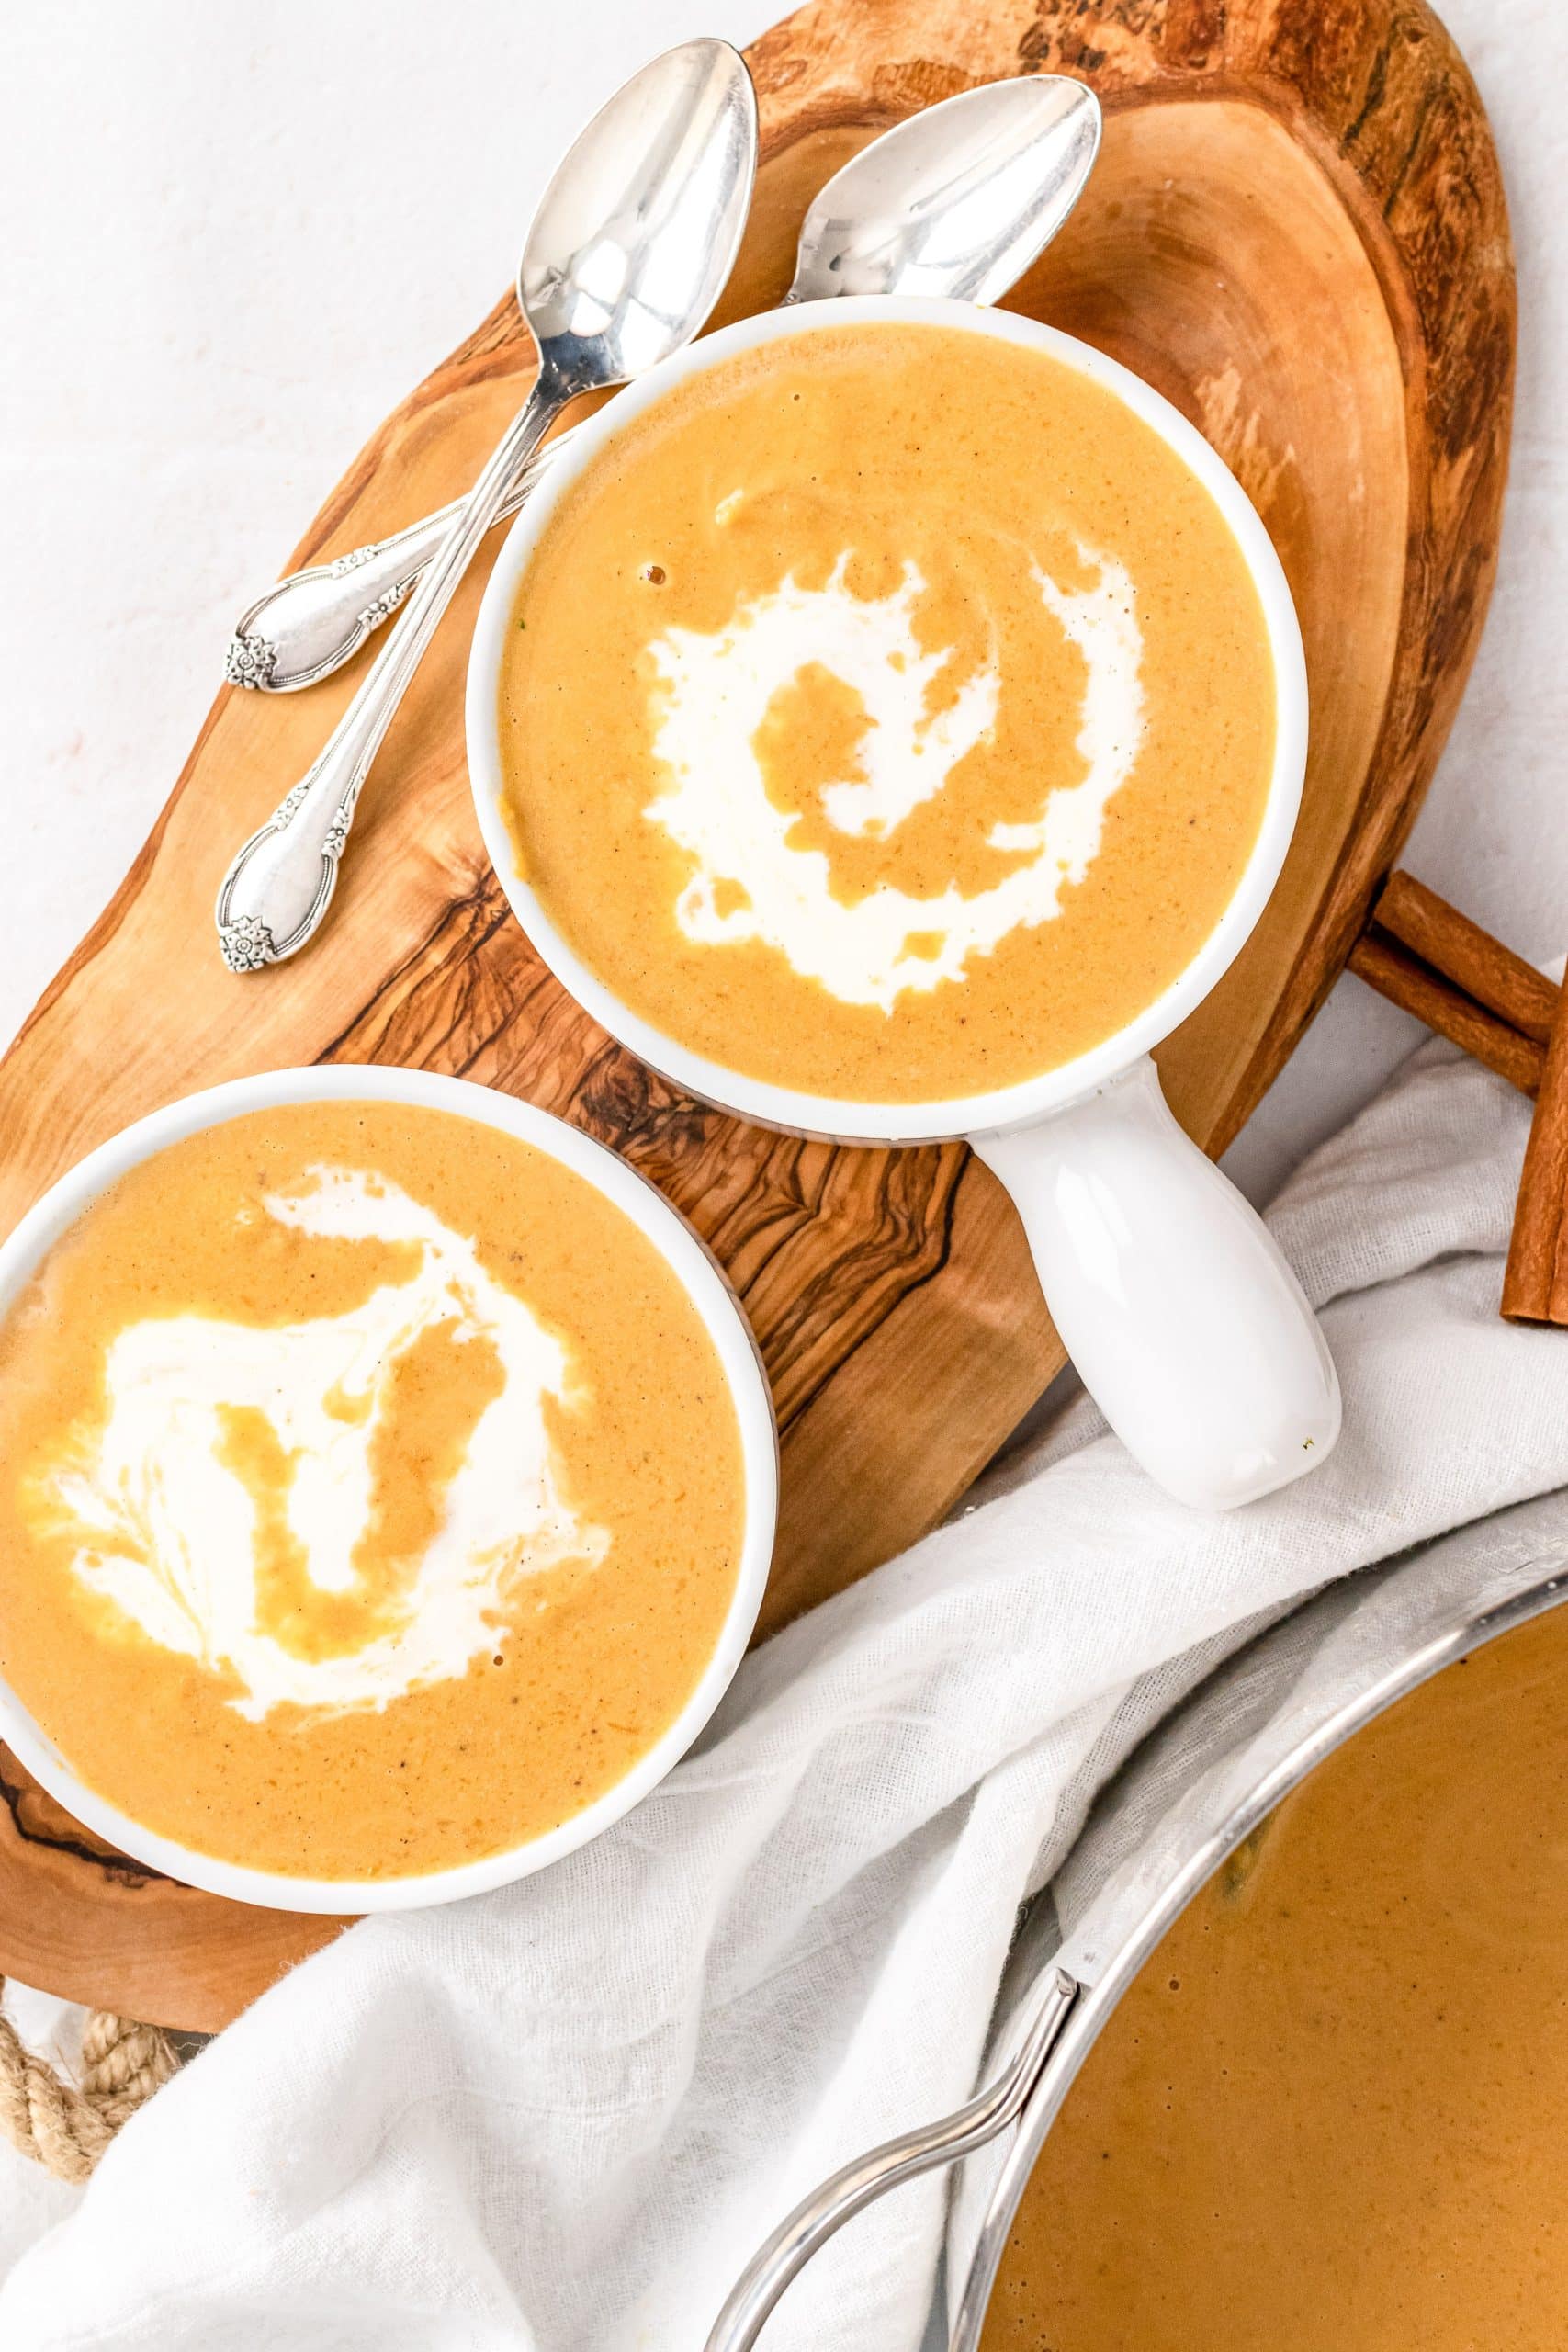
(234, 239)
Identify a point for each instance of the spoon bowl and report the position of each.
(1007, 163)
(958, 201)
(639, 229)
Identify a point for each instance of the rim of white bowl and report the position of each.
(704, 1285)
(826, 1115)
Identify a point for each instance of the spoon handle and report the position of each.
(309, 624)
(280, 887)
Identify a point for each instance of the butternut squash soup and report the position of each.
(888, 713)
(371, 1494)
(1329, 2114)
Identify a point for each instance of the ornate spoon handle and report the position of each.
(307, 626)
(280, 884)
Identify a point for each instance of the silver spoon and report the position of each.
(626, 255)
(957, 200)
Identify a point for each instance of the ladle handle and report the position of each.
(1172, 1296)
(860, 2183)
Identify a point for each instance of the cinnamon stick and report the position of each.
(1535, 1284)
(1418, 988)
(1424, 955)
(1463, 953)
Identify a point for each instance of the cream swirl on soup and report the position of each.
(371, 1491)
(170, 1514)
(752, 882)
(888, 713)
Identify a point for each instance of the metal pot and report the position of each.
(1200, 1784)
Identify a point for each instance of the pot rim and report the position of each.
(1068, 1988)
(1097, 1978)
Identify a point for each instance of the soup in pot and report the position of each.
(1331, 2114)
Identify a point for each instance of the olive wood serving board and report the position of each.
(1297, 231)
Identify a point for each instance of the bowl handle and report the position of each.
(1170, 1295)
(778, 2261)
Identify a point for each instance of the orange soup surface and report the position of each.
(371, 1494)
(1328, 2115)
(888, 713)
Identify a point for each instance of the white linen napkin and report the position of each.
(563, 2117)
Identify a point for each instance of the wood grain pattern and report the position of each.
(1297, 231)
